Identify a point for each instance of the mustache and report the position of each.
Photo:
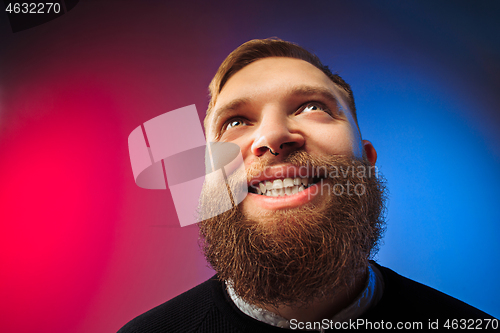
(302, 160)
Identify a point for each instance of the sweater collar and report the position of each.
(368, 298)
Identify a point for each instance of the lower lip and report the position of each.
(287, 201)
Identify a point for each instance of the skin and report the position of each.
(287, 104)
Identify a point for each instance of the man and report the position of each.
(295, 253)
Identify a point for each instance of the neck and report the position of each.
(321, 308)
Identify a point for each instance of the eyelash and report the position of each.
(226, 124)
(320, 105)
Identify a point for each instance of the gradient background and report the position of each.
(83, 249)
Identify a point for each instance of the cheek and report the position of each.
(245, 145)
(339, 140)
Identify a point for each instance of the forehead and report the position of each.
(264, 76)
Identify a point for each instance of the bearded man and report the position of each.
(294, 254)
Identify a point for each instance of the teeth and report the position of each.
(287, 182)
(282, 187)
(278, 183)
(262, 187)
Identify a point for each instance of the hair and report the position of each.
(256, 49)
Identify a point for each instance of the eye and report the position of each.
(314, 106)
(235, 122)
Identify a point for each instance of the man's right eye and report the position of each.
(234, 123)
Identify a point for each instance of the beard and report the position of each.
(293, 256)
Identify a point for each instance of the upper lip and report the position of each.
(281, 172)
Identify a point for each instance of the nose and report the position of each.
(276, 135)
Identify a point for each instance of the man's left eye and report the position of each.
(314, 107)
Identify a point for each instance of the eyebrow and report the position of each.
(231, 106)
(305, 91)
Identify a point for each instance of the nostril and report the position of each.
(261, 150)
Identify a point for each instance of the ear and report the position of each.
(370, 152)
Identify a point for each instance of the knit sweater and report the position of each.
(208, 308)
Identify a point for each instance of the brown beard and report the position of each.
(292, 256)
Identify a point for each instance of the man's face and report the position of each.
(302, 239)
(285, 104)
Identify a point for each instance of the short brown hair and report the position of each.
(256, 49)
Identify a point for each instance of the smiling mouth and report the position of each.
(282, 187)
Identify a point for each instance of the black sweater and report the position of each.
(208, 308)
